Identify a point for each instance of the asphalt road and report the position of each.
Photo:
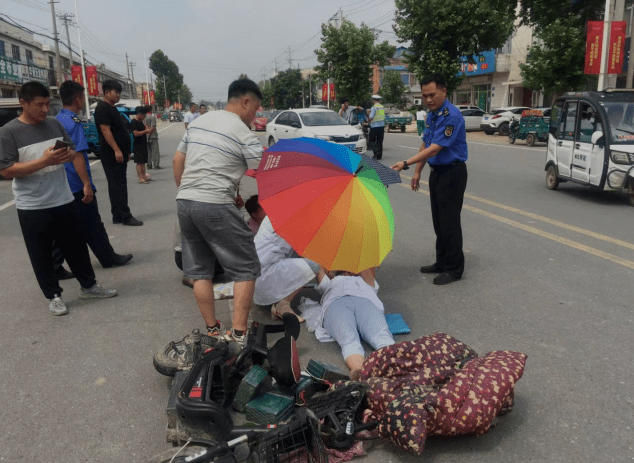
(548, 273)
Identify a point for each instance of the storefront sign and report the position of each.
(617, 47)
(593, 47)
(484, 64)
(15, 71)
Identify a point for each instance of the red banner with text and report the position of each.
(145, 101)
(76, 74)
(93, 81)
(152, 98)
(616, 51)
(593, 47)
(167, 104)
(324, 92)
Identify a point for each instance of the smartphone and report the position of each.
(60, 144)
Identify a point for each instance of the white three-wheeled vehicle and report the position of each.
(591, 141)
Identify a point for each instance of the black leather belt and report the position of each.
(441, 167)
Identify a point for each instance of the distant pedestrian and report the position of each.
(445, 149)
(377, 127)
(114, 143)
(91, 226)
(421, 117)
(153, 152)
(191, 115)
(43, 199)
(208, 165)
(140, 132)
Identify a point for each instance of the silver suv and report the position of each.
(498, 120)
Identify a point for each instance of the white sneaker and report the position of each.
(57, 306)
(97, 292)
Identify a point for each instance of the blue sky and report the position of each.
(211, 41)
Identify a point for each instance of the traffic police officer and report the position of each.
(80, 181)
(445, 149)
(377, 127)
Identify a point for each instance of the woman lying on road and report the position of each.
(283, 272)
(350, 307)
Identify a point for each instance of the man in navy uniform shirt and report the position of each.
(444, 148)
(92, 228)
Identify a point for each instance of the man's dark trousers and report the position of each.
(117, 186)
(447, 185)
(60, 224)
(376, 141)
(93, 230)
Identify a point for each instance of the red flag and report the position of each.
(76, 74)
(93, 81)
(145, 98)
(152, 100)
(593, 47)
(616, 49)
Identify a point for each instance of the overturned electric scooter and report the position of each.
(206, 382)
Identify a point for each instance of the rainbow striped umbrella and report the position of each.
(327, 203)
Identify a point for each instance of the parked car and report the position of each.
(472, 118)
(315, 123)
(273, 115)
(466, 106)
(318, 106)
(546, 113)
(499, 119)
(260, 121)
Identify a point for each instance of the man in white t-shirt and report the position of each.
(421, 120)
(190, 115)
(208, 166)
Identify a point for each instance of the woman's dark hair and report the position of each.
(70, 90)
(436, 78)
(252, 204)
(31, 90)
(111, 84)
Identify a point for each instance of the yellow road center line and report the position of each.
(550, 236)
(555, 223)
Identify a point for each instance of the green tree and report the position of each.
(287, 89)
(393, 89)
(346, 56)
(168, 77)
(443, 31)
(552, 66)
(555, 62)
(186, 95)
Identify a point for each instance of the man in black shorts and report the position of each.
(140, 132)
(114, 143)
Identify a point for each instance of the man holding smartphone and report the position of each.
(114, 144)
(33, 150)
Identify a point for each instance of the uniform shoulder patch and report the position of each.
(448, 130)
(76, 119)
(445, 112)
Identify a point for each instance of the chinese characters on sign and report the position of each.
(484, 64)
(91, 76)
(15, 71)
(616, 50)
(324, 92)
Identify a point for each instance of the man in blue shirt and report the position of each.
(444, 148)
(81, 185)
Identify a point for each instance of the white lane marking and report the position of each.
(173, 123)
(5, 205)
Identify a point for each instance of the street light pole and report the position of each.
(604, 47)
(83, 66)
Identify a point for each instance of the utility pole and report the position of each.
(290, 58)
(83, 66)
(630, 63)
(275, 73)
(133, 84)
(67, 18)
(165, 90)
(127, 66)
(58, 62)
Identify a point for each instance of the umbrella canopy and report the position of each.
(328, 204)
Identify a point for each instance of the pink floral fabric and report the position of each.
(437, 385)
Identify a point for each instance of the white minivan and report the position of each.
(591, 141)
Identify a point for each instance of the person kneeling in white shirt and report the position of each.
(350, 311)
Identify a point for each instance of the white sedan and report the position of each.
(472, 118)
(315, 123)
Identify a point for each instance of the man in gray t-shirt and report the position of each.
(42, 196)
(153, 153)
